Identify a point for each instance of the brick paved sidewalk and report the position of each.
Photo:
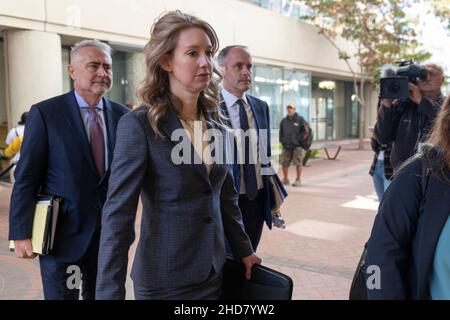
(328, 220)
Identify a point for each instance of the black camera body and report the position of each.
(412, 71)
(395, 86)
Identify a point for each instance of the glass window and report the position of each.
(297, 91)
(257, 2)
(268, 86)
(334, 110)
(322, 93)
(120, 83)
(295, 9)
(135, 64)
(290, 8)
(67, 81)
(271, 4)
(280, 87)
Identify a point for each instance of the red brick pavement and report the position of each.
(19, 279)
(319, 248)
(320, 263)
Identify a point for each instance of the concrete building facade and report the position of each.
(292, 62)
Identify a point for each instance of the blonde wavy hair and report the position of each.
(155, 90)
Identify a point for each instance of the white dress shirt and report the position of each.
(199, 145)
(233, 112)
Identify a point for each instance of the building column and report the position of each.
(33, 70)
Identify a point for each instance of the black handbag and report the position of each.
(265, 284)
(306, 142)
(358, 289)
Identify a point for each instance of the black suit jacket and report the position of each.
(260, 111)
(407, 229)
(56, 159)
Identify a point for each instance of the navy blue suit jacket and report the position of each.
(260, 111)
(56, 159)
(405, 233)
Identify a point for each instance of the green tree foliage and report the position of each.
(441, 10)
(379, 29)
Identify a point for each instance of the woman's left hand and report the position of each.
(249, 261)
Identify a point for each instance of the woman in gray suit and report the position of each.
(188, 207)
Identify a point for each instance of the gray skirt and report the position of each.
(210, 289)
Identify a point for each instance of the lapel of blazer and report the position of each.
(216, 166)
(111, 121)
(169, 123)
(259, 116)
(224, 110)
(230, 141)
(252, 104)
(75, 123)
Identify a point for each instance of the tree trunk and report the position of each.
(362, 106)
(360, 98)
(362, 125)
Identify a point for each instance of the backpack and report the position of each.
(14, 147)
(358, 288)
(306, 142)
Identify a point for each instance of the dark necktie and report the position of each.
(251, 186)
(97, 140)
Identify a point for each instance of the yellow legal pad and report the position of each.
(44, 225)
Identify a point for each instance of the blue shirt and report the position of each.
(440, 276)
(85, 117)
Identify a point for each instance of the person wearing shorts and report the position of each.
(292, 129)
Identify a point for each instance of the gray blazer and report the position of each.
(185, 216)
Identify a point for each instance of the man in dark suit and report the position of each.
(67, 151)
(256, 198)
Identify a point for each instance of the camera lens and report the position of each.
(394, 87)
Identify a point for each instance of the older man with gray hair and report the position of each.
(66, 152)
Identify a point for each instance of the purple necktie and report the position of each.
(97, 140)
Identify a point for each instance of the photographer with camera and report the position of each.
(406, 122)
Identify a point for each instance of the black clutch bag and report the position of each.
(265, 284)
(358, 289)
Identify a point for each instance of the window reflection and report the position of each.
(289, 8)
(279, 87)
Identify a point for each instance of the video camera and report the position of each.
(394, 81)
